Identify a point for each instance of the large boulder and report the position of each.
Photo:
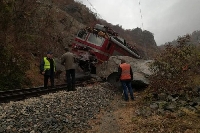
(140, 67)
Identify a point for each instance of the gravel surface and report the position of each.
(56, 112)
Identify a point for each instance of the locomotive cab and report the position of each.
(93, 46)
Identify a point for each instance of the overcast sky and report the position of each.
(166, 19)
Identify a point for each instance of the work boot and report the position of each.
(69, 88)
(73, 88)
(126, 99)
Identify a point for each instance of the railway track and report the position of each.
(21, 94)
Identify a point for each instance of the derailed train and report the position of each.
(94, 45)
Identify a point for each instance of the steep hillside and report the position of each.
(30, 28)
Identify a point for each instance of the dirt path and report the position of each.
(115, 118)
(121, 117)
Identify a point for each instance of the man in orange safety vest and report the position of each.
(125, 75)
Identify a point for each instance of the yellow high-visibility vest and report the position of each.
(47, 64)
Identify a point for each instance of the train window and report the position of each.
(82, 34)
(96, 39)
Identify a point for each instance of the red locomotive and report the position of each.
(95, 45)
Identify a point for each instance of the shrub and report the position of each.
(174, 67)
(13, 68)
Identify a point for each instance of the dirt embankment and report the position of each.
(122, 117)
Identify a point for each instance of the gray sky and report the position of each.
(166, 19)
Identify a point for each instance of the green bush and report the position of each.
(174, 67)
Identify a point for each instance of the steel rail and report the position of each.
(21, 94)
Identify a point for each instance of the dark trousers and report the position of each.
(70, 75)
(127, 88)
(46, 78)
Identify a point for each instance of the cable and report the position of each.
(98, 15)
(142, 26)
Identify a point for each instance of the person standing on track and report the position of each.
(48, 68)
(68, 60)
(125, 75)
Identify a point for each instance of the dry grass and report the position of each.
(34, 74)
(128, 121)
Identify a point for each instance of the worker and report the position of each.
(125, 75)
(48, 68)
(68, 60)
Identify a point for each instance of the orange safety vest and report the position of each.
(126, 68)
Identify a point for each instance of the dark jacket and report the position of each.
(120, 72)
